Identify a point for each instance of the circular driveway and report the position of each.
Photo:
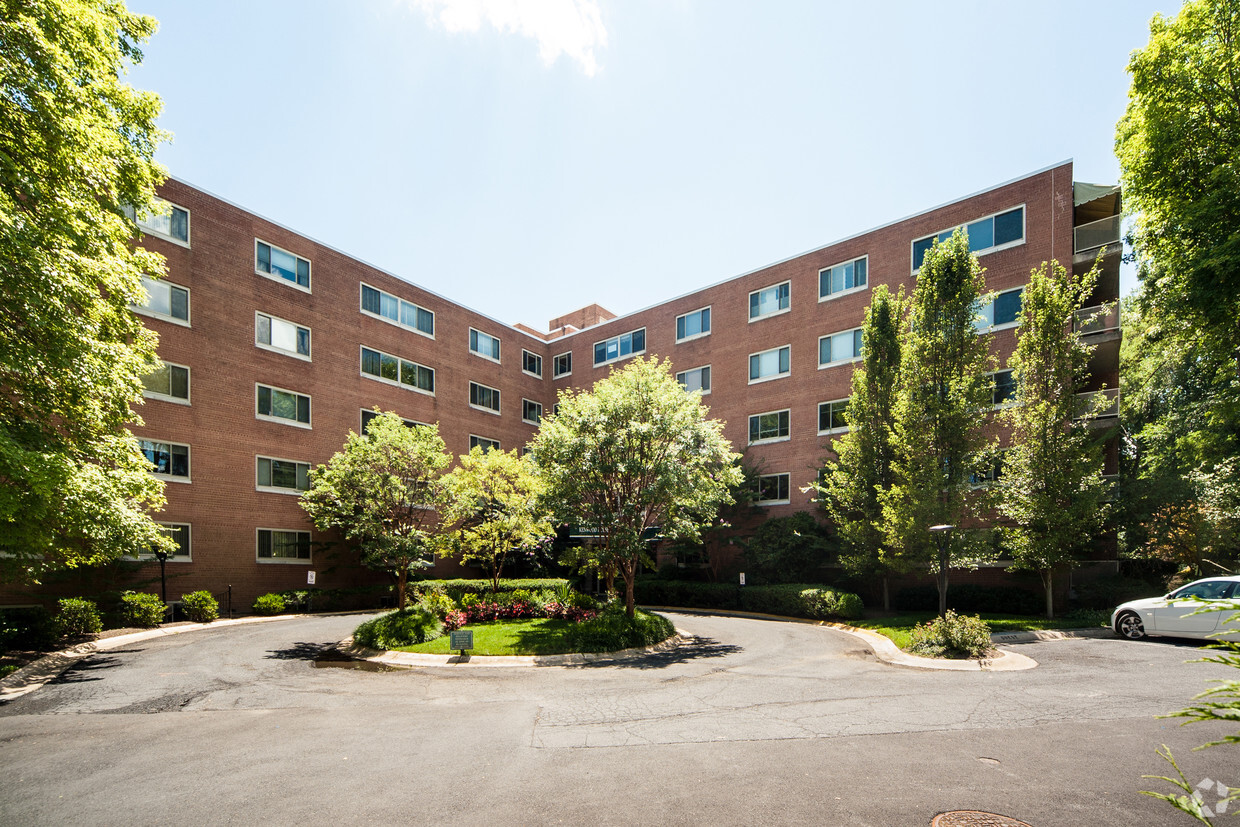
(750, 721)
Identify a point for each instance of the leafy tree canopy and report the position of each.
(633, 459)
(78, 145)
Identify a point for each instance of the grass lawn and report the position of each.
(539, 636)
(899, 628)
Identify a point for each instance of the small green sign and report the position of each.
(461, 639)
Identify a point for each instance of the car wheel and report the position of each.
(1129, 625)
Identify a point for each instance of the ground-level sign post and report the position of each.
(461, 640)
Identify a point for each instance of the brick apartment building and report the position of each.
(276, 346)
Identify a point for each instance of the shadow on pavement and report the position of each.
(299, 651)
(80, 672)
(694, 648)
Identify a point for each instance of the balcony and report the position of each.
(1100, 318)
(1086, 402)
(1095, 234)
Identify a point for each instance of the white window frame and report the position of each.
(568, 372)
(764, 503)
(272, 348)
(279, 278)
(145, 310)
(498, 345)
(474, 440)
(172, 558)
(148, 229)
(771, 439)
(278, 419)
(411, 423)
(525, 353)
(284, 561)
(685, 373)
(773, 376)
(496, 410)
(189, 460)
(692, 336)
(847, 291)
(824, 432)
(1024, 233)
(990, 304)
(394, 382)
(777, 312)
(849, 360)
(275, 489)
(618, 339)
(361, 299)
(167, 397)
(525, 402)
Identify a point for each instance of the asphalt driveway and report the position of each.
(751, 722)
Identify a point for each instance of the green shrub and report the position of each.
(269, 604)
(438, 604)
(973, 599)
(458, 588)
(612, 630)
(415, 624)
(78, 616)
(825, 603)
(200, 606)
(655, 592)
(27, 628)
(788, 549)
(951, 636)
(141, 609)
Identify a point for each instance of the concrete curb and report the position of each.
(34, 675)
(414, 660)
(1051, 634)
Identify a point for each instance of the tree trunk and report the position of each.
(629, 571)
(401, 576)
(1048, 580)
(886, 595)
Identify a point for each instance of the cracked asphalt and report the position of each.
(750, 722)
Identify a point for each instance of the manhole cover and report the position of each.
(975, 818)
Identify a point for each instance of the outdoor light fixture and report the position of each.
(162, 557)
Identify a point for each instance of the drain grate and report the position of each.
(975, 818)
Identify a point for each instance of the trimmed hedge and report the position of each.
(27, 628)
(200, 606)
(788, 599)
(269, 604)
(479, 587)
(612, 630)
(327, 600)
(1011, 600)
(141, 609)
(78, 616)
(415, 624)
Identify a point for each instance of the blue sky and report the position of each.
(529, 157)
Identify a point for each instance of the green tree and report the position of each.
(384, 492)
(1178, 145)
(941, 412)
(792, 549)
(493, 503)
(76, 148)
(851, 488)
(633, 459)
(1052, 487)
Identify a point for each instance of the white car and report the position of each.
(1201, 609)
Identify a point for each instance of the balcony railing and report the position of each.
(1096, 233)
(1086, 402)
(1097, 319)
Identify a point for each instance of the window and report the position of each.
(985, 235)
(562, 365)
(840, 347)
(169, 382)
(282, 405)
(483, 443)
(277, 546)
(271, 333)
(283, 475)
(769, 364)
(180, 534)
(832, 417)
(773, 489)
(696, 379)
(768, 301)
(842, 278)
(481, 396)
(167, 459)
(620, 347)
(531, 363)
(1003, 391)
(281, 264)
(397, 371)
(368, 415)
(768, 427)
(168, 220)
(165, 300)
(531, 411)
(485, 346)
(1003, 310)
(990, 474)
(384, 305)
(692, 325)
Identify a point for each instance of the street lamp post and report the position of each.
(941, 535)
(162, 557)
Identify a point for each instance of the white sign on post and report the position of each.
(742, 578)
(309, 578)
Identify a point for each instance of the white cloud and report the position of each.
(561, 27)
